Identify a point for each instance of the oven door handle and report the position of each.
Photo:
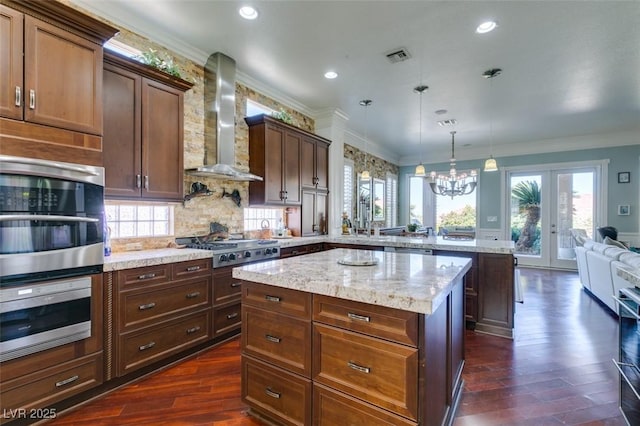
(48, 163)
(45, 217)
(621, 303)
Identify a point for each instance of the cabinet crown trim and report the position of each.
(147, 71)
(264, 118)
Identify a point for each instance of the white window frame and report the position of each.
(391, 201)
(347, 202)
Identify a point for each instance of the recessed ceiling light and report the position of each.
(248, 12)
(330, 75)
(441, 111)
(486, 27)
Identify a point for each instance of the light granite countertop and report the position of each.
(411, 282)
(137, 259)
(437, 243)
(629, 274)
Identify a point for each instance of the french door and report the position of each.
(545, 204)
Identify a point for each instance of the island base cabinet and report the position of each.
(333, 408)
(276, 394)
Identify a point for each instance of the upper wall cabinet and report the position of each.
(288, 158)
(143, 131)
(59, 83)
(314, 159)
(51, 81)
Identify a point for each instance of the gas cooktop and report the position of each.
(234, 251)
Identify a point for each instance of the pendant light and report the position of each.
(420, 172)
(491, 165)
(365, 173)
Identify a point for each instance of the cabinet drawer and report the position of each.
(142, 347)
(225, 287)
(283, 341)
(53, 384)
(335, 408)
(276, 299)
(144, 276)
(377, 371)
(156, 302)
(226, 318)
(192, 268)
(275, 393)
(386, 323)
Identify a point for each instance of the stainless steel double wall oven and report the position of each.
(51, 242)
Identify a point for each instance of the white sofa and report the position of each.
(597, 266)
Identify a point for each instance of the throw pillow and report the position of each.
(615, 243)
(579, 236)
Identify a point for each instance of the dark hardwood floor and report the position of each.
(557, 371)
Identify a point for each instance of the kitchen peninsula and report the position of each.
(329, 343)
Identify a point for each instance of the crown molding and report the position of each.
(263, 89)
(356, 140)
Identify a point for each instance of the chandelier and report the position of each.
(453, 184)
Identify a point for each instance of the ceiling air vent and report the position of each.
(449, 122)
(398, 55)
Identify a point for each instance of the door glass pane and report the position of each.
(526, 221)
(575, 209)
(416, 200)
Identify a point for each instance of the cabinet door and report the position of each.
(162, 141)
(291, 164)
(122, 144)
(63, 78)
(495, 294)
(11, 47)
(322, 166)
(308, 162)
(308, 213)
(273, 151)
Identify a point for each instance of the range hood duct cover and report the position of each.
(220, 113)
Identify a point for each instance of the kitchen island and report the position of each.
(328, 343)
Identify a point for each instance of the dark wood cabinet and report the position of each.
(143, 131)
(159, 311)
(226, 302)
(314, 213)
(314, 159)
(495, 294)
(470, 284)
(44, 378)
(300, 250)
(274, 154)
(51, 82)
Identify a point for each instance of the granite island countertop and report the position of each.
(411, 282)
(629, 274)
(433, 243)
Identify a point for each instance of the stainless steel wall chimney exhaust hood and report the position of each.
(220, 114)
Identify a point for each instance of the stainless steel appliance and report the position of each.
(51, 245)
(51, 220)
(234, 252)
(628, 363)
(44, 315)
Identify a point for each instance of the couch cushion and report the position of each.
(614, 253)
(579, 236)
(600, 247)
(589, 244)
(631, 259)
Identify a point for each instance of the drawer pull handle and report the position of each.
(193, 330)
(272, 394)
(32, 99)
(147, 306)
(359, 368)
(358, 317)
(67, 381)
(232, 316)
(236, 284)
(193, 268)
(146, 276)
(271, 338)
(18, 96)
(272, 298)
(147, 346)
(193, 295)
(138, 181)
